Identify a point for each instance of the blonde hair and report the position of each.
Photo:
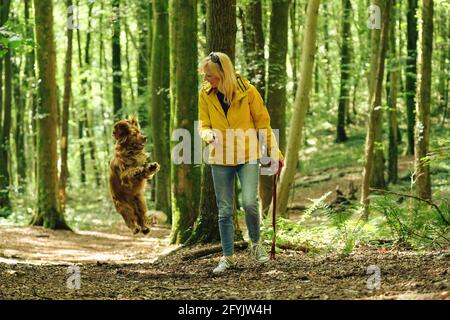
(224, 70)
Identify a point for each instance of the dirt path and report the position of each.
(35, 245)
(36, 264)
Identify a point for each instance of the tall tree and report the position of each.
(411, 72)
(48, 213)
(185, 177)
(102, 68)
(144, 16)
(88, 113)
(392, 92)
(81, 115)
(327, 54)
(116, 61)
(422, 133)
(31, 85)
(5, 179)
(295, 24)
(64, 140)
(300, 105)
(444, 62)
(221, 26)
(375, 114)
(19, 102)
(128, 63)
(220, 36)
(4, 11)
(19, 107)
(276, 86)
(344, 96)
(252, 29)
(160, 109)
(377, 176)
(5, 122)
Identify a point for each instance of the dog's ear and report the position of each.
(121, 129)
(134, 121)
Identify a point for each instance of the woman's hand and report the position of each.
(272, 165)
(210, 138)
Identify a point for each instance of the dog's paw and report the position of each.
(145, 230)
(152, 168)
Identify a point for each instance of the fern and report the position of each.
(318, 205)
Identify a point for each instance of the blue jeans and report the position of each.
(223, 177)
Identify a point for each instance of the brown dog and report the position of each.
(129, 170)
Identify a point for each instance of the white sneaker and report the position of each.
(224, 264)
(260, 254)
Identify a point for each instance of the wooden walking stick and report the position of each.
(274, 209)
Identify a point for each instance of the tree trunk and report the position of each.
(202, 19)
(247, 40)
(206, 228)
(377, 179)
(374, 120)
(374, 39)
(5, 179)
(88, 113)
(102, 67)
(48, 213)
(64, 141)
(422, 134)
(185, 177)
(116, 62)
(221, 26)
(316, 77)
(89, 124)
(4, 11)
(160, 109)
(145, 38)
(81, 115)
(411, 73)
(256, 19)
(251, 20)
(31, 86)
(392, 91)
(276, 93)
(128, 64)
(20, 100)
(300, 105)
(295, 30)
(5, 122)
(218, 14)
(444, 76)
(344, 96)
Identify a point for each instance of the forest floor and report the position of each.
(36, 263)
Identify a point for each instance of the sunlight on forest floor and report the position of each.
(36, 245)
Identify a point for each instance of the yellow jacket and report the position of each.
(236, 134)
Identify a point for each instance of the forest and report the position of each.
(358, 91)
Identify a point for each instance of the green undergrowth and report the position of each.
(393, 222)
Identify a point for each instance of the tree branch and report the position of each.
(417, 198)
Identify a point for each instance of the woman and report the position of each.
(231, 111)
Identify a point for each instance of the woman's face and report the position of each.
(213, 80)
